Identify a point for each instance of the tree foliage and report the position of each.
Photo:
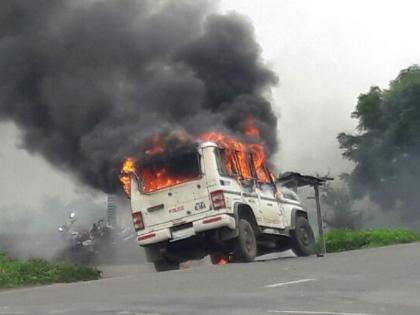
(386, 147)
(339, 212)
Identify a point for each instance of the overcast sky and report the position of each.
(325, 53)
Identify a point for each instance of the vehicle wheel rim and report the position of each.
(249, 240)
(304, 236)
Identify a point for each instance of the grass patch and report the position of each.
(14, 273)
(345, 239)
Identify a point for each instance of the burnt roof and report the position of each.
(294, 179)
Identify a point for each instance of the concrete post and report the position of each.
(322, 249)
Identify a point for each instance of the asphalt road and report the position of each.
(381, 281)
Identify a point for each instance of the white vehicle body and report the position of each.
(198, 217)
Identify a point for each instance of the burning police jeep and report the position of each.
(218, 199)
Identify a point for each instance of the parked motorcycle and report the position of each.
(78, 245)
(111, 243)
(101, 244)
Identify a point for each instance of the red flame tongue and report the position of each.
(223, 260)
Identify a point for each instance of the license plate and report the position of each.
(181, 234)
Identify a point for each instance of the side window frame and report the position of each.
(219, 153)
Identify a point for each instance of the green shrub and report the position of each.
(36, 271)
(345, 239)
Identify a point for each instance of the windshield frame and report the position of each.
(158, 159)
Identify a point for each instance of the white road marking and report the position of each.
(131, 313)
(317, 313)
(280, 284)
(3, 308)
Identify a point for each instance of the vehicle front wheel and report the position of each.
(303, 239)
(165, 265)
(245, 245)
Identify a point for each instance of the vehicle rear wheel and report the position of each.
(214, 258)
(245, 245)
(303, 239)
(165, 265)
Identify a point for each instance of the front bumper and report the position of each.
(202, 225)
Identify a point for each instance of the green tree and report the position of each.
(339, 208)
(386, 147)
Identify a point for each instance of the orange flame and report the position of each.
(159, 179)
(237, 155)
(237, 159)
(128, 169)
(251, 129)
(223, 260)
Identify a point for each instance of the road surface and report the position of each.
(380, 281)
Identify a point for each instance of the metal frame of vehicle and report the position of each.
(203, 214)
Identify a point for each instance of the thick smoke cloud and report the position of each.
(88, 82)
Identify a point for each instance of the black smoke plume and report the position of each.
(87, 82)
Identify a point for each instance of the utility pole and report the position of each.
(294, 180)
(322, 249)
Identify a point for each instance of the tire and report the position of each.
(215, 258)
(303, 239)
(165, 265)
(245, 245)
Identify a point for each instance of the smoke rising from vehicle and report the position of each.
(89, 82)
(19, 224)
